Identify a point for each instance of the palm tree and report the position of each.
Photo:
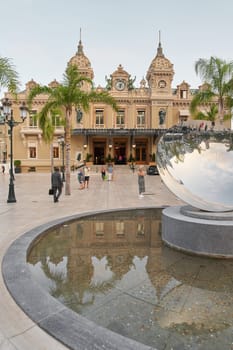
(210, 114)
(66, 97)
(217, 76)
(8, 76)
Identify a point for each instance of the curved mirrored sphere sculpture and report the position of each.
(198, 167)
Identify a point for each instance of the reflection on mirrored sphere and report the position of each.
(198, 167)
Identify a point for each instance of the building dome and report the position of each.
(82, 62)
(54, 84)
(160, 62)
(160, 65)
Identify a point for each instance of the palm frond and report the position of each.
(38, 90)
(210, 114)
(8, 76)
(73, 79)
(103, 97)
(46, 125)
(200, 116)
(201, 98)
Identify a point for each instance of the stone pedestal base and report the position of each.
(198, 232)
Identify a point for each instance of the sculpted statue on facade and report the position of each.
(130, 83)
(109, 82)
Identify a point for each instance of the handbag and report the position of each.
(50, 191)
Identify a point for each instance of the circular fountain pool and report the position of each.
(107, 279)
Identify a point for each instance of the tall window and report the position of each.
(99, 228)
(120, 228)
(32, 154)
(99, 118)
(120, 118)
(56, 120)
(55, 151)
(183, 94)
(140, 229)
(141, 118)
(32, 119)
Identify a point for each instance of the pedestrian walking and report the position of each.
(110, 172)
(57, 184)
(81, 179)
(141, 181)
(103, 172)
(86, 176)
(133, 167)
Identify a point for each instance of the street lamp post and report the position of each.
(61, 142)
(7, 118)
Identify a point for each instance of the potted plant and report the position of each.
(88, 159)
(108, 159)
(131, 158)
(17, 164)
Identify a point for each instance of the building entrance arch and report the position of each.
(141, 152)
(120, 152)
(99, 152)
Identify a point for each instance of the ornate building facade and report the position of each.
(131, 133)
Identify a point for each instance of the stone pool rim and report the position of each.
(71, 329)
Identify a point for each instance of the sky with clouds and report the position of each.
(41, 36)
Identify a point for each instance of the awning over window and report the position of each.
(184, 113)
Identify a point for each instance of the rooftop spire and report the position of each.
(80, 46)
(159, 49)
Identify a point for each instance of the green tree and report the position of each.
(217, 76)
(210, 114)
(66, 97)
(8, 76)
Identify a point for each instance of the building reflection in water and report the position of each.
(113, 269)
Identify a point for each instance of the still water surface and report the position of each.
(113, 269)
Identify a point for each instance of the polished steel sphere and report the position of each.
(197, 166)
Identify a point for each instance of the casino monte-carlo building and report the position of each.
(131, 133)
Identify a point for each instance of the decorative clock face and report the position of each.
(162, 84)
(120, 85)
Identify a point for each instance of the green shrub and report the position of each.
(17, 162)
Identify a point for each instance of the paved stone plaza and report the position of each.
(34, 206)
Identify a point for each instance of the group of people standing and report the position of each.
(141, 177)
(107, 174)
(84, 177)
(57, 183)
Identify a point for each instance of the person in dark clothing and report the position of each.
(81, 179)
(57, 184)
(103, 173)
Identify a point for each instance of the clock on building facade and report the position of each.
(120, 85)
